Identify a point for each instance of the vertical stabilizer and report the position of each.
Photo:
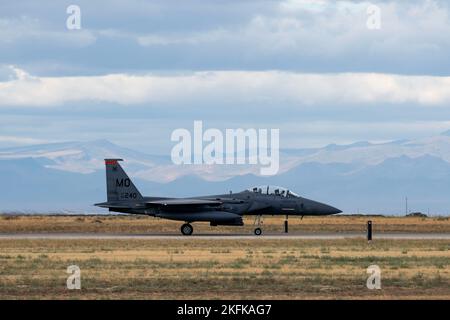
(119, 186)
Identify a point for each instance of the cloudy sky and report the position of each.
(137, 70)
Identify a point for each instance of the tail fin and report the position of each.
(119, 186)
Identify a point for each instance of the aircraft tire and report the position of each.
(187, 229)
(258, 231)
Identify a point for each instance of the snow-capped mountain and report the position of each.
(87, 157)
(362, 176)
(81, 157)
(366, 153)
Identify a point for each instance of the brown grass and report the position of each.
(143, 224)
(224, 269)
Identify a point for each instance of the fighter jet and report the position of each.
(218, 210)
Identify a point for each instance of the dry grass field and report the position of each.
(224, 269)
(195, 268)
(144, 224)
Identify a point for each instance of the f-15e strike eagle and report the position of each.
(218, 210)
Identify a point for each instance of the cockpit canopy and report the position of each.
(274, 190)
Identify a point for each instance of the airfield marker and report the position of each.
(369, 231)
(286, 225)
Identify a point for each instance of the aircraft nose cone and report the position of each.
(334, 210)
(326, 209)
(320, 209)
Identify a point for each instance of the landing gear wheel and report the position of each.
(186, 229)
(258, 231)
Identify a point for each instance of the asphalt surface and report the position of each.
(304, 236)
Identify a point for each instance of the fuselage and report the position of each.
(242, 203)
(221, 209)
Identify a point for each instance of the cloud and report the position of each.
(294, 35)
(8, 72)
(14, 140)
(186, 39)
(320, 133)
(323, 36)
(233, 87)
(27, 30)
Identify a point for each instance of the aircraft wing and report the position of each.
(184, 202)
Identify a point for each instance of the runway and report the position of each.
(209, 236)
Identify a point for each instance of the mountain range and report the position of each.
(361, 177)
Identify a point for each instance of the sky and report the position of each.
(137, 70)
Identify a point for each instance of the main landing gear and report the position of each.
(258, 222)
(187, 229)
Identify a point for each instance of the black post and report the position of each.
(285, 226)
(369, 230)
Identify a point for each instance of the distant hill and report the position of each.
(360, 177)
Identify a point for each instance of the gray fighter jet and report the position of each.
(218, 210)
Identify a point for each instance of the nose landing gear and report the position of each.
(186, 229)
